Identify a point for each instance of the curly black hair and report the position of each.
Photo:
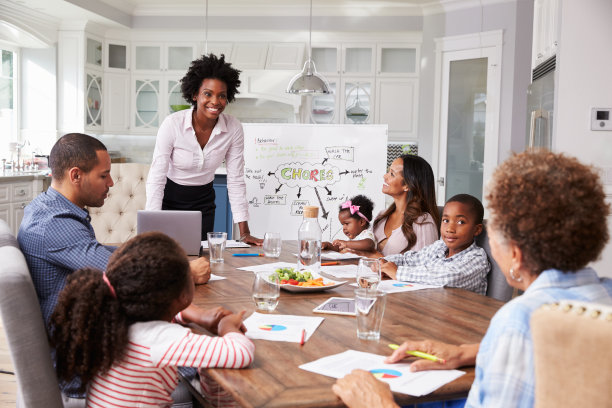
(552, 206)
(89, 326)
(206, 67)
(366, 206)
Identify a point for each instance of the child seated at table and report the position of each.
(117, 330)
(354, 216)
(454, 260)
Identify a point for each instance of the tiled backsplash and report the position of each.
(129, 148)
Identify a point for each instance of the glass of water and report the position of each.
(272, 244)
(266, 290)
(368, 273)
(216, 245)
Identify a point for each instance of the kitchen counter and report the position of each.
(24, 176)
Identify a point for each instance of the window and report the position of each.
(8, 99)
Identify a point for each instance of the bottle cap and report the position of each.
(311, 211)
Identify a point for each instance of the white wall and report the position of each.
(39, 97)
(584, 81)
(515, 19)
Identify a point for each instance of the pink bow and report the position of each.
(354, 209)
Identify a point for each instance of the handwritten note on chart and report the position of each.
(289, 166)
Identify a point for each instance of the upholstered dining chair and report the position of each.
(572, 354)
(115, 221)
(25, 330)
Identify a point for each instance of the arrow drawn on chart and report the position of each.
(328, 191)
(270, 173)
(299, 192)
(324, 160)
(344, 172)
(279, 187)
(324, 213)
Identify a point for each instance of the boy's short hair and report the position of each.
(475, 205)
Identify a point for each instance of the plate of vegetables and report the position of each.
(305, 281)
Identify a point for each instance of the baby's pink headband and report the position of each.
(354, 209)
(110, 287)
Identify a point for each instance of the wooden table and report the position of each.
(274, 379)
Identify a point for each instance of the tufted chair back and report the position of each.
(115, 221)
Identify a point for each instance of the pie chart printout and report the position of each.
(272, 327)
(381, 373)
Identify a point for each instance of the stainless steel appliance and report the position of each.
(540, 105)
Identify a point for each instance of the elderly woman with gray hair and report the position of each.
(547, 223)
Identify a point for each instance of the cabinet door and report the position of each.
(357, 105)
(117, 56)
(178, 57)
(5, 215)
(93, 100)
(327, 58)
(174, 98)
(285, 56)
(326, 108)
(397, 60)
(117, 98)
(249, 55)
(218, 48)
(358, 59)
(93, 52)
(147, 57)
(147, 93)
(17, 210)
(397, 107)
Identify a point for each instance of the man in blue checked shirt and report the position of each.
(56, 235)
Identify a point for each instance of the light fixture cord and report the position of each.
(310, 34)
(206, 37)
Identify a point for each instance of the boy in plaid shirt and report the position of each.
(454, 260)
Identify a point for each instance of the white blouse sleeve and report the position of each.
(156, 180)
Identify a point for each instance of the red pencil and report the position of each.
(303, 338)
(330, 263)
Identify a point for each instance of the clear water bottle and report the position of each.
(309, 241)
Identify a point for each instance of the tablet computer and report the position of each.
(337, 305)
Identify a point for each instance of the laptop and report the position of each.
(184, 226)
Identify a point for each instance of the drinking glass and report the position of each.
(368, 273)
(369, 309)
(266, 290)
(272, 244)
(216, 245)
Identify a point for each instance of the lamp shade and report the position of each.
(308, 81)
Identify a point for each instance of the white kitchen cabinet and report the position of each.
(155, 97)
(162, 57)
(249, 55)
(14, 197)
(93, 52)
(327, 58)
(116, 56)
(285, 56)
(397, 107)
(326, 108)
(218, 48)
(358, 59)
(357, 102)
(117, 107)
(93, 100)
(393, 60)
(546, 15)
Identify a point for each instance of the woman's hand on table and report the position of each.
(249, 239)
(200, 270)
(454, 356)
(360, 389)
(367, 254)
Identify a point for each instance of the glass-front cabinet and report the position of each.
(147, 107)
(358, 59)
(327, 59)
(155, 57)
(357, 106)
(93, 52)
(93, 100)
(324, 108)
(397, 60)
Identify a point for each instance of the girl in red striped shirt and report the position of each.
(116, 329)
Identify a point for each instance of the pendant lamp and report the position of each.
(309, 81)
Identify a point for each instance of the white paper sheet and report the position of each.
(230, 243)
(341, 271)
(398, 376)
(214, 277)
(268, 267)
(395, 286)
(275, 327)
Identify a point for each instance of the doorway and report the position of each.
(468, 86)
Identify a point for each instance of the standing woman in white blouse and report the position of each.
(191, 144)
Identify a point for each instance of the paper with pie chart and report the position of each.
(395, 286)
(280, 327)
(398, 376)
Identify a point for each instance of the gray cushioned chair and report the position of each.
(25, 331)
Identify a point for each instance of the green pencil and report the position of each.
(420, 354)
